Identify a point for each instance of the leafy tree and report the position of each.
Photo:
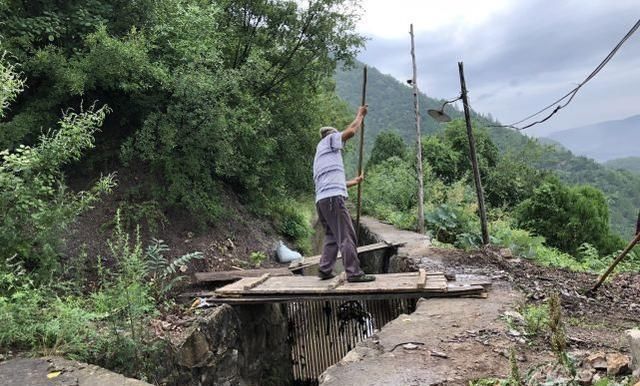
(510, 182)
(568, 217)
(206, 93)
(388, 144)
(455, 135)
(444, 160)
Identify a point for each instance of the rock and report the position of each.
(225, 346)
(514, 332)
(633, 338)
(439, 354)
(410, 346)
(617, 364)
(597, 361)
(585, 376)
(505, 253)
(514, 315)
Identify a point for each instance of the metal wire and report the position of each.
(571, 94)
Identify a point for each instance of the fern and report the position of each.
(162, 272)
(155, 260)
(172, 268)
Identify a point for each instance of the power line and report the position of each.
(571, 94)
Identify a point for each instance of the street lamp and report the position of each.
(439, 115)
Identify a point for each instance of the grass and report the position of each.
(536, 318)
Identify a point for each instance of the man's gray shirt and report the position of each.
(328, 168)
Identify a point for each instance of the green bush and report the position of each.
(520, 241)
(34, 201)
(568, 217)
(108, 326)
(536, 318)
(442, 158)
(292, 219)
(388, 144)
(390, 192)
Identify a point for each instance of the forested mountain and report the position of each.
(631, 164)
(603, 141)
(391, 103)
(392, 109)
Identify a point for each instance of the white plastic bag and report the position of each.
(286, 255)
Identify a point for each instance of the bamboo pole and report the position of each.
(418, 139)
(359, 203)
(618, 259)
(474, 158)
(364, 102)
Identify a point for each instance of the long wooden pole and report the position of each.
(414, 81)
(474, 158)
(364, 102)
(621, 256)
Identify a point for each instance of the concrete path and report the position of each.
(445, 341)
(55, 371)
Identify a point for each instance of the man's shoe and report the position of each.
(326, 275)
(361, 278)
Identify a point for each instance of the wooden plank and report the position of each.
(299, 285)
(224, 276)
(256, 281)
(422, 278)
(458, 291)
(338, 281)
(315, 260)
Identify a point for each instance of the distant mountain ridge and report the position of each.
(631, 164)
(603, 141)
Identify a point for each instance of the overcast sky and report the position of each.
(519, 55)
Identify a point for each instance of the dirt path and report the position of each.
(457, 340)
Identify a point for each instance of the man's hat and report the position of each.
(324, 131)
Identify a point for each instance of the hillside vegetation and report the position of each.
(192, 102)
(392, 110)
(631, 164)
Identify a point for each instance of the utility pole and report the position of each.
(419, 141)
(364, 101)
(474, 158)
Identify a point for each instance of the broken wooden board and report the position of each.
(226, 276)
(422, 278)
(315, 260)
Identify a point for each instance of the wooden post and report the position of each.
(621, 256)
(359, 203)
(418, 140)
(474, 158)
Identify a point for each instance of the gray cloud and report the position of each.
(526, 57)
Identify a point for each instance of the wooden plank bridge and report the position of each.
(286, 285)
(284, 289)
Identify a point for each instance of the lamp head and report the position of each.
(439, 115)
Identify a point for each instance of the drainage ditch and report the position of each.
(284, 344)
(321, 333)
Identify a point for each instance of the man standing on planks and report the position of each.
(331, 191)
